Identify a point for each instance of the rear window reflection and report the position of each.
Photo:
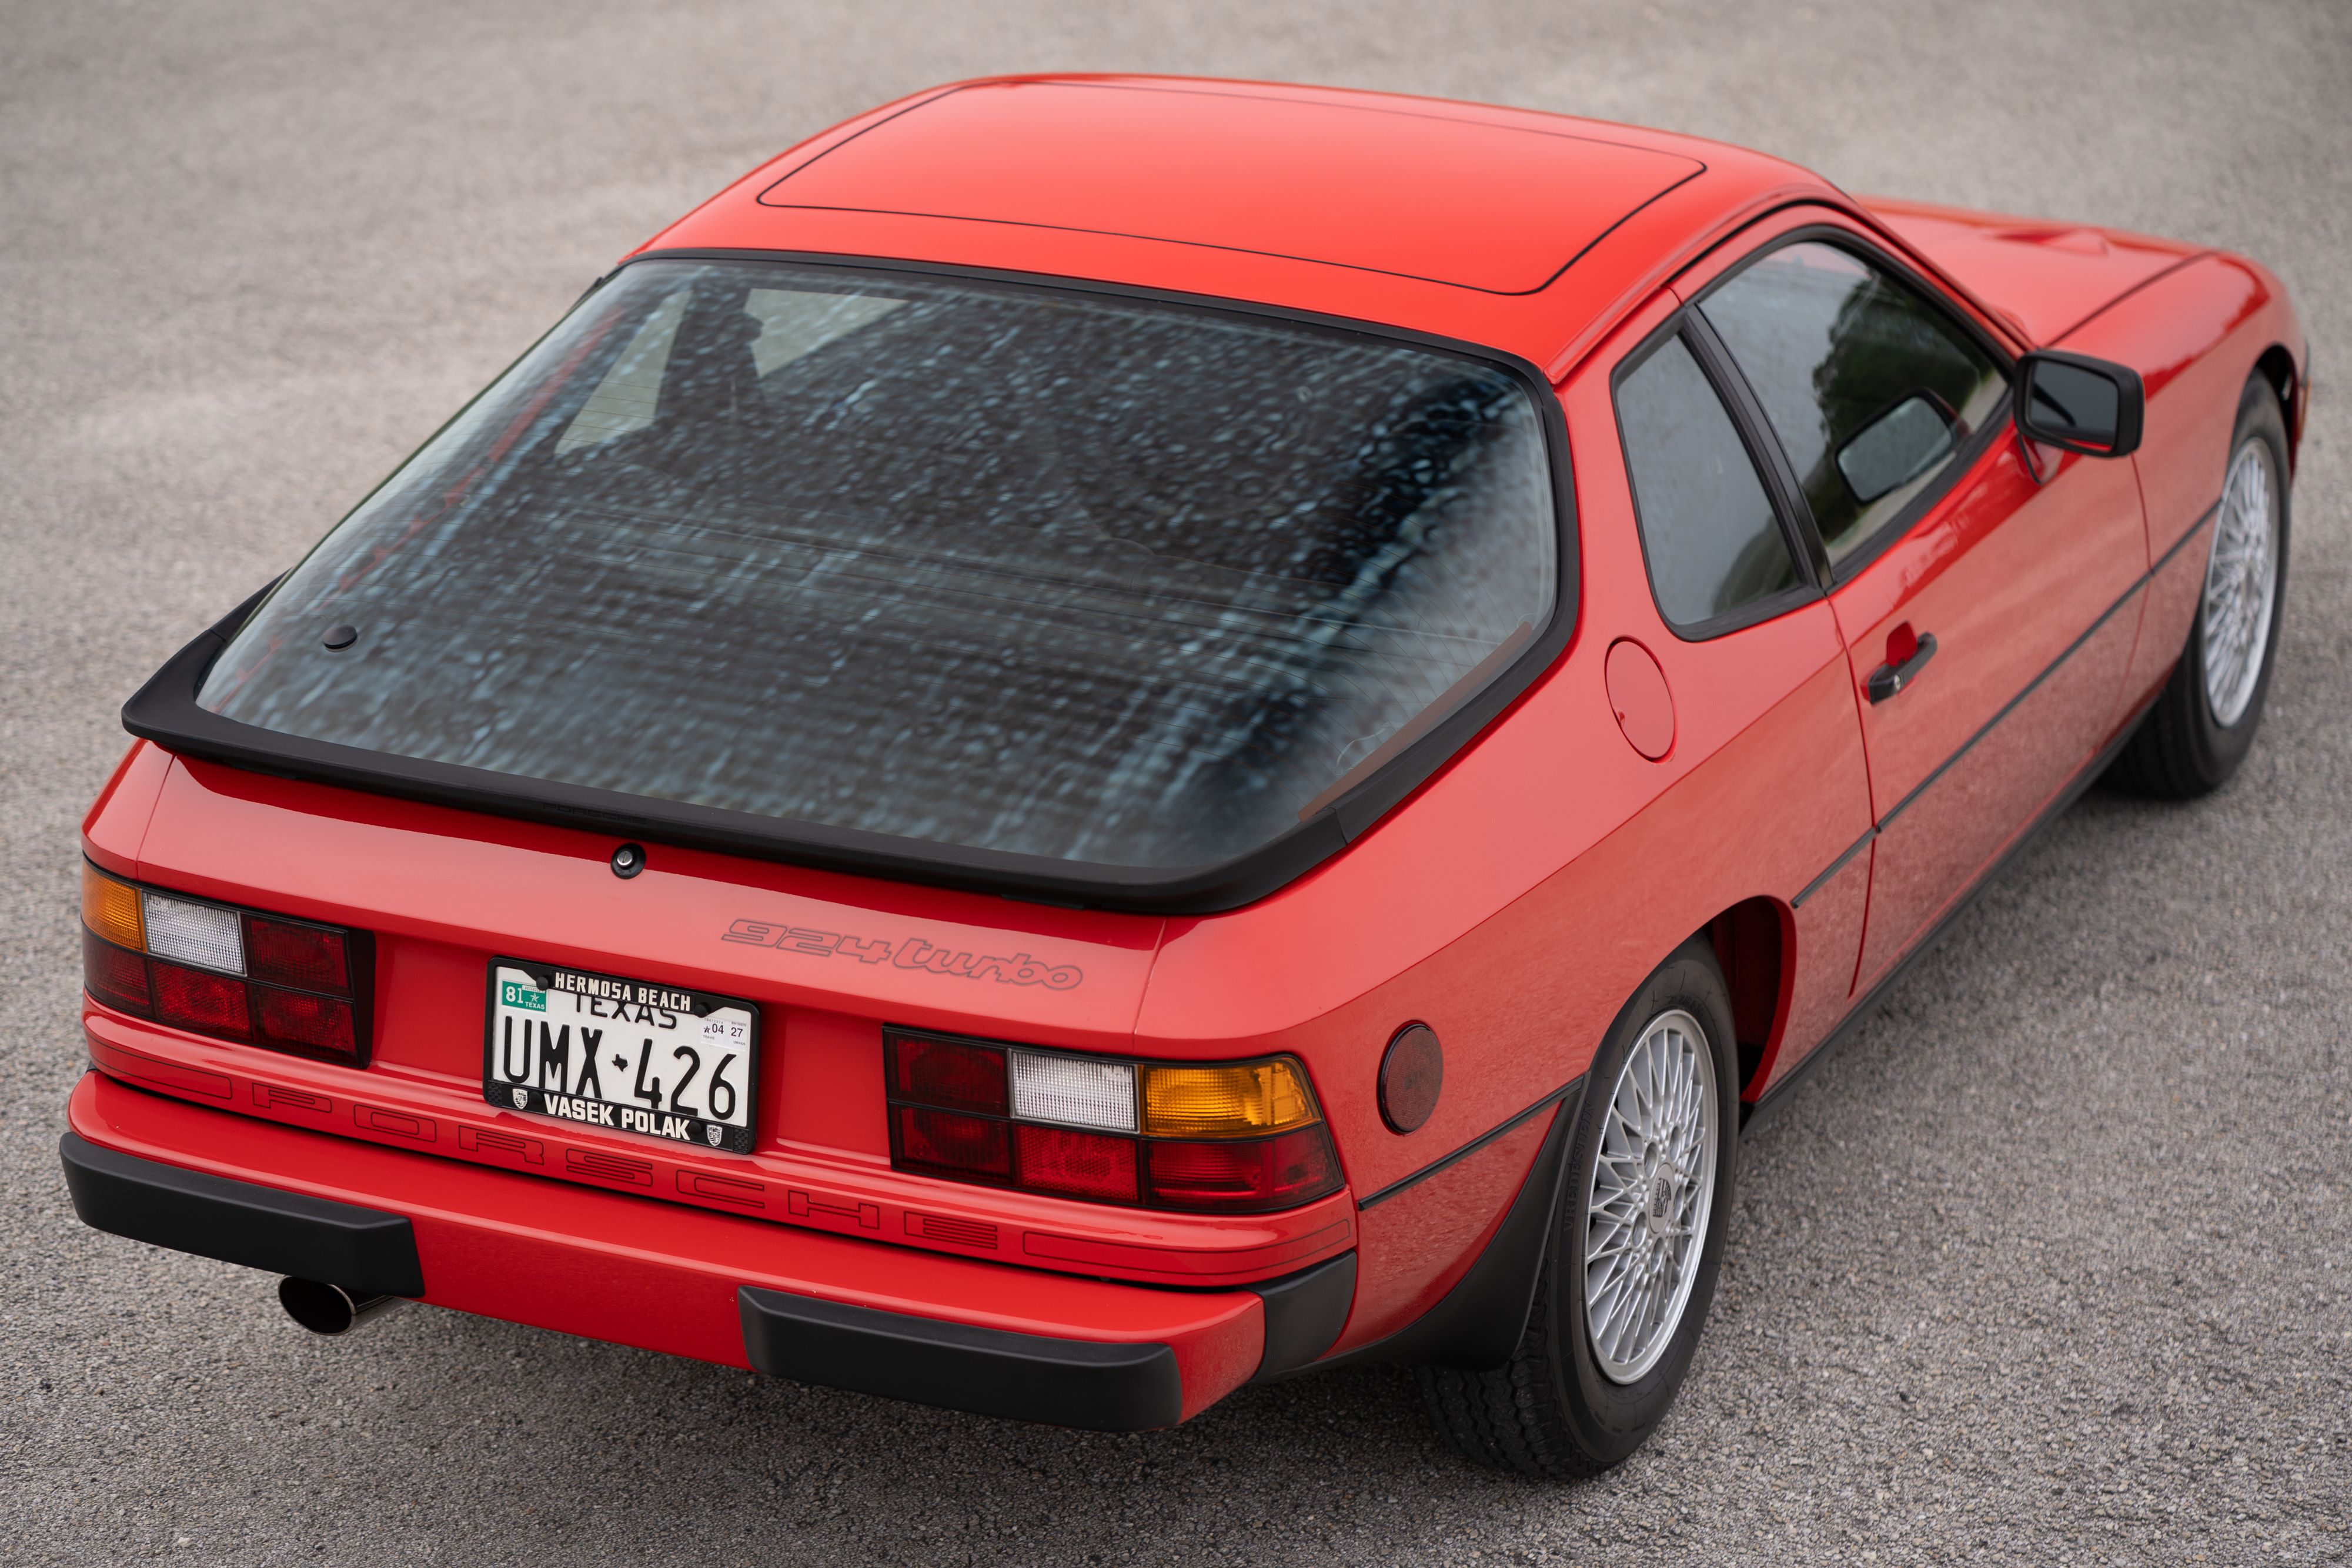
(1011, 569)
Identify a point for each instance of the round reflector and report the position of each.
(1411, 1072)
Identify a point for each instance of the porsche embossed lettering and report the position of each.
(913, 953)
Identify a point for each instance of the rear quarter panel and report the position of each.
(1516, 901)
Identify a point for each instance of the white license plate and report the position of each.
(635, 1056)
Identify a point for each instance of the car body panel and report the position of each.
(2048, 277)
(2194, 336)
(1141, 159)
(609, 1266)
(2034, 578)
(1416, 1245)
(1622, 265)
(790, 1188)
(446, 892)
(116, 823)
(2007, 575)
(1511, 903)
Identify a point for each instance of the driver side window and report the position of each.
(1872, 390)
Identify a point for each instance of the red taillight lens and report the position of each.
(193, 999)
(295, 1021)
(1233, 1175)
(1237, 1137)
(1079, 1165)
(946, 1072)
(972, 1147)
(112, 976)
(238, 974)
(281, 953)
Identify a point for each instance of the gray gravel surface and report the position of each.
(2049, 1266)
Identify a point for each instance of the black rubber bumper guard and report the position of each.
(365, 1251)
(929, 1361)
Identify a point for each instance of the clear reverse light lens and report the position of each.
(1074, 1092)
(203, 934)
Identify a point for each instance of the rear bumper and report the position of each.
(863, 1315)
(366, 1250)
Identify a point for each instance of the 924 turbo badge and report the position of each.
(910, 953)
(629, 1055)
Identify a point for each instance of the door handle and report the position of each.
(1888, 680)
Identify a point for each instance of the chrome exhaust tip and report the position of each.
(330, 1308)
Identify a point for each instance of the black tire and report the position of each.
(1550, 1412)
(2180, 750)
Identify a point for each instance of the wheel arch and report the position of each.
(2276, 365)
(1755, 941)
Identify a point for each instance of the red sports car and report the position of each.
(1099, 738)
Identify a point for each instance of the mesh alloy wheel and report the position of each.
(1652, 1186)
(2201, 725)
(2241, 582)
(1635, 1210)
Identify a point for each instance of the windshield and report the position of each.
(1002, 567)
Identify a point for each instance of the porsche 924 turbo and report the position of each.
(1097, 739)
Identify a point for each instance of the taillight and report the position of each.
(1082, 1164)
(1228, 1137)
(285, 954)
(1244, 1176)
(114, 977)
(209, 1004)
(296, 1021)
(216, 970)
(948, 1072)
(978, 1148)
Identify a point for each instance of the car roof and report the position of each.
(1509, 228)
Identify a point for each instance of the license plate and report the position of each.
(632, 1055)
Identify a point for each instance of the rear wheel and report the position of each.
(2203, 722)
(1629, 1270)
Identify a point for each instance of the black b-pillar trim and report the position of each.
(365, 1251)
(1119, 1388)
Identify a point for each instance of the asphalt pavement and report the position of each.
(2049, 1266)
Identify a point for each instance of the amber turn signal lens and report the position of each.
(1236, 1100)
(110, 908)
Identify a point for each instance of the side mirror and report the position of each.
(2079, 404)
(1896, 447)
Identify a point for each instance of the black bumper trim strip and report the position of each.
(1472, 1147)
(1304, 1314)
(1478, 1323)
(2138, 584)
(365, 1251)
(1119, 1388)
(1753, 1113)
(1836, 866)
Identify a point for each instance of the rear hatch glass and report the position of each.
(996, 568)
